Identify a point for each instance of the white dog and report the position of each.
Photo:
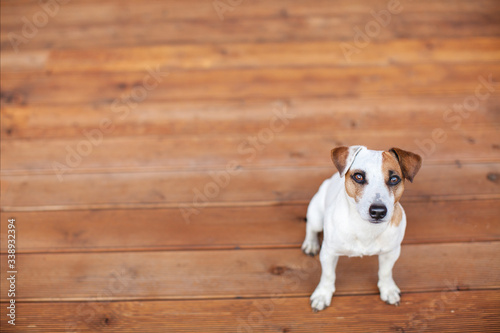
(359, 211)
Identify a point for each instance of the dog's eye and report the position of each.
(359, 178)
(394, 180)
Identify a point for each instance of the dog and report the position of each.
(359, 212)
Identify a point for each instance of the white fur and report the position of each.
(348, 230)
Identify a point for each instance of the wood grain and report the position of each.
(251, 55)
(275, 23)
(266, 148)
(118, 88)
(245, 273)
(230, 227)
(432, 311)
(209, 118)
(195, 190)
(150, 11)
(126, 240)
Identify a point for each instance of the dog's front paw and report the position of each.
(321, 298)
(389, 292)
(310, 247)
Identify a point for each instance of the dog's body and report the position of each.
(359, 211)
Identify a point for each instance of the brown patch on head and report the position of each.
(339, 158)
(409, 162)
(391, 167)
(397, 215)
(353, 189)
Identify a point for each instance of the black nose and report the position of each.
(378, 212)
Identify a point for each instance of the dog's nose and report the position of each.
(378, 212)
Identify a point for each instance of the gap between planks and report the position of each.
(235, 298)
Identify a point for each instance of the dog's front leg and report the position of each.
(389, 291)
(322, 296)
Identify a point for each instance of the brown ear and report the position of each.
(343, 157)
(339, 158)
(409, 162)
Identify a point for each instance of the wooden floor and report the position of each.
(158, 158)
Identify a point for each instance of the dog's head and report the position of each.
(374, 180)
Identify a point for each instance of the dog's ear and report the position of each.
(409, 162)
(343, 157)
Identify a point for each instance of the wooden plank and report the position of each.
(151, 11)
(244, 273)
(452, 221)
(280, 27)
(268, 150)
(223, 56)
(195, 190)
(275, 55)
(433, 312)
(230, 227)
(148, 190)
(74, 88)
(215, 228)
(207, 118)
(292, 54)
